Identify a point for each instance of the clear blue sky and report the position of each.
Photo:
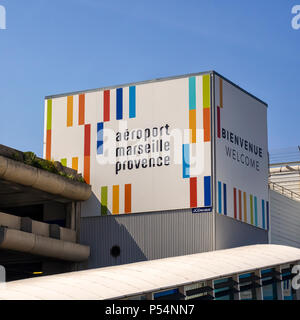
(56, 46)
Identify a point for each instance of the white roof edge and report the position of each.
(150, 276)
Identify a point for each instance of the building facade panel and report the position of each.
(146, 236)
(285, 220)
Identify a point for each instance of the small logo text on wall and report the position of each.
(2, 18)
(296, 18)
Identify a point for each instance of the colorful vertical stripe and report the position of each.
(219, 197)
(120, 104)
(81, 109)
(192, 121)
(225, 198)
(218, 122)
(49, 128)
(263, 213)
(193, 192)
(87, 152)
(251, 209)
(186, 160)
(106, 105)
(104, 201)
(75, 163)
(100, 138)
(255, 211)
(206, 91)
(221, 91)
(207, 191)
(234, 203)
(69, 111)
(268, 221)
(245, 207)
(132, 102)
(116, 195)
(63, 162)
(127, 198)
(206, 124)
(240, 204)
(206, 107)
(192, 93)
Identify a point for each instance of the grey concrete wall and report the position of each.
(146, 236)
(232, 233)
(284, 220)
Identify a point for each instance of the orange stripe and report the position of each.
(86, 170)
(127, 198)
(81, 109)
(206, 124)
(192, 117)
(75, 163)
(70, 111)
(116, 193)
(240, 204)
(48, 145)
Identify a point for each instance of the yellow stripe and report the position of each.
(116, 192)
(206, 91)
(75, 163)
(192, 114)
(70, 111)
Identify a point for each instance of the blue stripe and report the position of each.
(255, 210)
(100, 138)
(120, 104)
(268, 215)
(220, 196)
(207, 192)
(186, 160)
(225, 198)
(192, 93)
(132, 103)
(263, 213)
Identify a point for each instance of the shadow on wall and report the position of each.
(110, 242)
(232, 233)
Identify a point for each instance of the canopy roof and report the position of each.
(150, 276)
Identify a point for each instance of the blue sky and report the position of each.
(56, 46)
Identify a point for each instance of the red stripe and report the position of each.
(48, 145)
(87, 140)
(219, 122)
(106, 103)
(234, 203)
(193, 192)
(240, 204)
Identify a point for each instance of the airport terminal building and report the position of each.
(174, 169)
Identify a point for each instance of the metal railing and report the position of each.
(284, 191)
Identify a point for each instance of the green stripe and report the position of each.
(206, 91)
(104, 201)
(49, 114)
(63, 162)
(251, 208)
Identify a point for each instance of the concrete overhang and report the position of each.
(22, 184)
(34, 244)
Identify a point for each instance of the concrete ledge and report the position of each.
(10, 221)
(38, 245)
(43, 180)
